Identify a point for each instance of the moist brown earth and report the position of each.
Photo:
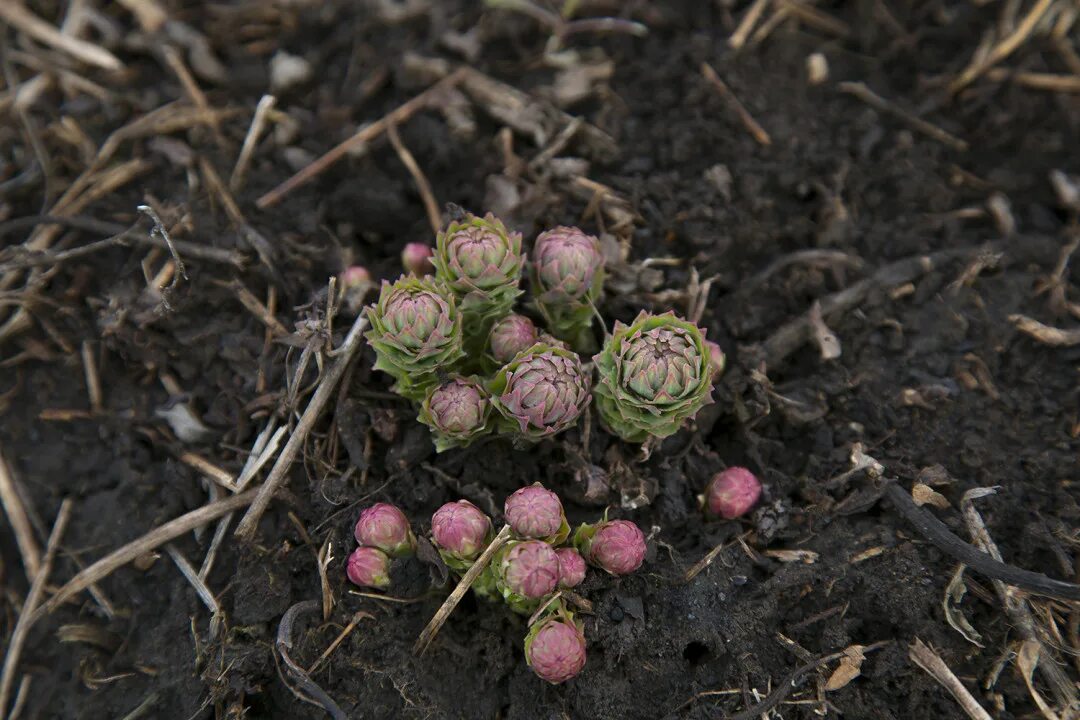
(932, 373)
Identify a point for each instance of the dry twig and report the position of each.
(1003, 49)
(745, 117)
(922, 655)
(20, 524)
(19, 17)
(868, 96)
(1046, 334)
(431, 207)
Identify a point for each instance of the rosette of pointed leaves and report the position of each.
(541, 392)
(653, 374)
(555, 648)
(416, 332)
(568, 278)
(481, 262)
(457, 412)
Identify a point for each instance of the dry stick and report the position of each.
(816, 18)
(258, 124)
(923, 656)
(93, 380)
(1003, 49)
(868, 96)
(194, 92)
(1037, 80)
(356, 618)
(365, 135)
(150, 15)
(1046, 334)
(20, 18)
(249, 523)
(422, 184)
(432, 629)
(255, 307)
(738, 38)
(28, 615)
(745, 117)
(150, 541)
(20, 524)
(22, 695)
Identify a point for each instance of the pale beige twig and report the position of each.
(255, 131)
(19, 17)
(922, 655)
(1046, 334)
(431, 207)
(93, 379)
(346, 631)
(1003, 49)
(746, 25)
(759, 134)
(868, 96)
(149, 13)
(20, 523)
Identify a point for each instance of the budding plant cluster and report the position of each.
(448, 333)
(528, 573)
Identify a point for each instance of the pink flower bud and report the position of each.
(369, 567)
(571, 567)
(354, 285)
(385, 527)
(617, 546)
(556, 652)
(534, 512)
(732, 493)
(530, 569)
(716, 358)
(461, 529)
(416, 259)
(510, 336)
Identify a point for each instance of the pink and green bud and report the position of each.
(481, 261)
(654, 374)
(511, 335)
(416, 259)
(571, 567)
(461, 530)
(457, 413)
(385, 527)
(717, 358)
(616, 546)
(354, 284)
(535, 512)
(369, 567)
(541, 392)
(555, 650)
(529, 569)
(732, 493)
(567, 264)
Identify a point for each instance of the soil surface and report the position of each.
(934, 380)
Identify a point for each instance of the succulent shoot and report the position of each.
(415, 331)
(457, 413)
(616, 546)
(509, 336)
(461, 531)
(525, 571)
(354, 284)
(386, 528)
(654, 374)
(536, 512)
(571, 567)
(717, 358)
(369, 567)
(568, 278)
(541, 392)
(481, 262)
(416, 259)
(732, 493)
(555, 649)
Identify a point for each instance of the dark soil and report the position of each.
(838, 176)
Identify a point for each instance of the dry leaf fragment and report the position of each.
(926, 495)
(850, 668)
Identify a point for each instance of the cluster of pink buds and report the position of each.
(536, 570)
(383, 533)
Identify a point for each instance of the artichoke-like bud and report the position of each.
(571, 567)
(717, 358)
(461, 531)
(525, 571)
(617, 546)
(555, 649)
(415, 331)
(534, 512)
(354, 284)
(457, 412)
(385, 527)
(481, 261)
(568, 278)
(369, 567)
(509, 336)
(416, 259)
(541, 392)
(732, 493)
(653, 375)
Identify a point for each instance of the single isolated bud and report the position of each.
(461, 529)
(568, 279)
(354, 284)
(534, 512)
(617, 546)
(732, 493)
(529, 569)
(369, 567)
(571, 567)
(555, 650)
(717, 358)
(511, 335)
(457, 413)
(385, 527)
(416, 259)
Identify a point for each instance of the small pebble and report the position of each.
(287, 71)
(817, 69)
